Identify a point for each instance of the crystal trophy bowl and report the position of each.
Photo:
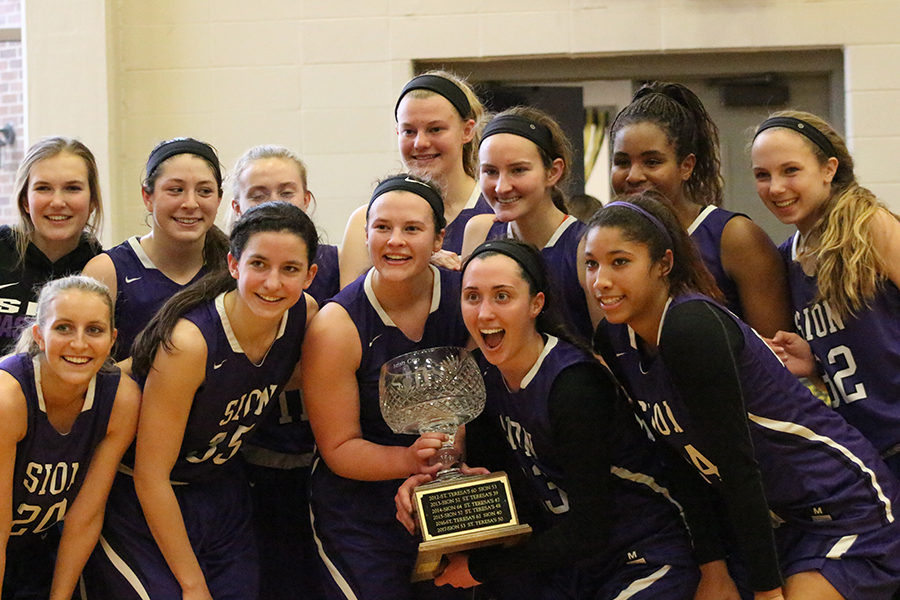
(436, 389)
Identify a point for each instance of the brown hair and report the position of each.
(48, 148)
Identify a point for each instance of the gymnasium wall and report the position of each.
(322, 76)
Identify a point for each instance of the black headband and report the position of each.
(647, 215)
(526, 128)
(177, 146)
(438, 85)
(803, 128)
(406, 183)
(529, 261)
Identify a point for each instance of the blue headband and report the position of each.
(649, 216)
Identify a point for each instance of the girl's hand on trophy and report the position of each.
(424, 449)
(457, 572)
(467, 470)
(403, 501)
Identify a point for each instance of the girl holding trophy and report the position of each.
(572, 436)
(403, 303)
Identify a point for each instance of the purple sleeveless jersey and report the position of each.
(859, 354)
(362, 546)
(819, 474)
(560, 256)
(51, 466)
(142, 290)
(284, 439)
(236, 392)
(706, 233)
(644, 521)
(453, 234)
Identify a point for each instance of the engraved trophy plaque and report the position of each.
(439, 389)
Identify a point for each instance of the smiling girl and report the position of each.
(182, 190)
(665, 140)
(58, 196)
(403, 303)
(844, 271)
(212, 361)
(584, 458)
(524, 160)
(439, 118)
(742, 430)
(66, 418)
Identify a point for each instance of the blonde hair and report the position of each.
(265, 151)
(476, 113)
(849, 269)
(48, 148)
(26, 343)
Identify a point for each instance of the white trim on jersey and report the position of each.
(88, 396)
(808, 434)
(841, 547)
(123, 568)
(232, 339)
(549, 345)
(639, 585)
(566, 223)
(648, 481)
(379, 310)
(135, 244)
(700, 218)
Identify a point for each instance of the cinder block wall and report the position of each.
(321, 77)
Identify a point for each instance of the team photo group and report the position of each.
(681, 407)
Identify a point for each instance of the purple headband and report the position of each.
(649, 216)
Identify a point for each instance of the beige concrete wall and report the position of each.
(322, 77)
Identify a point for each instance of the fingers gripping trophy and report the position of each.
(437, 390)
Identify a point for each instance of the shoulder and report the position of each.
(332, 337)
(101, 267)
(476, 231)
(885, 230)
(128, 398)
(13, 408)
(697, 327)
(187, 337)
(742, 233)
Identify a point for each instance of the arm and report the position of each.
(753, 262)
(85, 518)
(13, 426)
(354, 255)
(102, 269)
(331, 355)
(168, 396)
(699, 345)
(581, 410)
(886, 238)
(476, 232)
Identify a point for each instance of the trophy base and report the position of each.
(461, 514)
(431, 554)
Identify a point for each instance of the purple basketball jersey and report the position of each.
(561, 257)
(644, 521)
(51, 466)
(860, 354)
(453, 233)
(142, 290)
(706, 233)
(818, 473)
(236, 392)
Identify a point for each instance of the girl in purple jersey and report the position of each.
(605, 528)
(439, 120)
(280, 452)
(57, 194)
(525, 161)
(181, 190)
(66, 418)
(403, 303)
(666, 140)
(844, 272)
(802, 494)
(213, 360)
